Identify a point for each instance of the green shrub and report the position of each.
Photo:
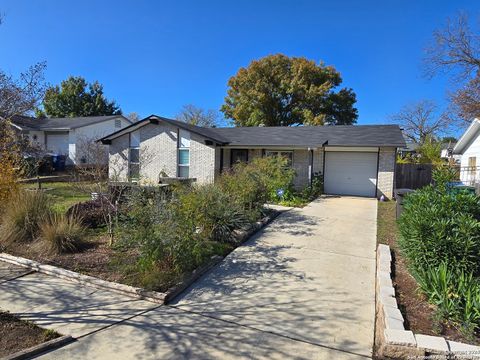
(22, 217)
(257, 182)
(212, 212)
(438, 227)
(456, 294)
(62, 233)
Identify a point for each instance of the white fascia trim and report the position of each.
(467, 137)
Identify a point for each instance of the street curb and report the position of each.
(40, 348)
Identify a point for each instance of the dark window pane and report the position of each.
(239, 155)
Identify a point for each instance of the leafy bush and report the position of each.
(439, 227)
(442, 175)
(62, 233)
(212, 212)
(456, 294)
(252, 185)
(22, 217)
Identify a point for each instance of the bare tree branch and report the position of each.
(194, 115)
(455, 48)
(420, 121)
(21, 96)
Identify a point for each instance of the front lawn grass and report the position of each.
(387, 231)
(63, 194)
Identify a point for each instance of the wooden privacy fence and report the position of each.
(413, 176)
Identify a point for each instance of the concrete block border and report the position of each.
(40, 348)
(392, 340)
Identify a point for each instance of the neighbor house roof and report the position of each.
(31, 123)
(299, 136)
(468, 137)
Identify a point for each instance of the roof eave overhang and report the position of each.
(467, 137)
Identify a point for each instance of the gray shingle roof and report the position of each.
(314, 136)
(300, 136)
(30, 123)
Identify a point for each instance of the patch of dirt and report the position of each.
(17, 335)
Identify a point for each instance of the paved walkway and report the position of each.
(302, 288)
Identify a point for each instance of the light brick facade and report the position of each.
(386, 172)
(118, 159)
(159, 153)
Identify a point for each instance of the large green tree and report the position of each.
(75, 97)
(278, 90)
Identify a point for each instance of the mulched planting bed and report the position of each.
(419, 315)
(17, 335)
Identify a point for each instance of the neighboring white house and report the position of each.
(468, 147)
(353, 160)
(65, 136)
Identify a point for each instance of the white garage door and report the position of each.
(58, 143)
(350, 173)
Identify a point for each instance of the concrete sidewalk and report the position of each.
(302, 288)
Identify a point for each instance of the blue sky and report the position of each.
(155, 56)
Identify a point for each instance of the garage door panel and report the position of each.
(58, 143)
(351, 173)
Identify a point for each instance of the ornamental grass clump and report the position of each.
(62, 234)
(23, 215)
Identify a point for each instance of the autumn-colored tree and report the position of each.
(18, 96)
(278, 90)
(75, 97)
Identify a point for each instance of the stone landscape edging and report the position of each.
(391, 338)
(40, 348)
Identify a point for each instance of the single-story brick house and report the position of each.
(355, 160)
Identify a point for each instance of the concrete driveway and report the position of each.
(302, 288)
(309, 276)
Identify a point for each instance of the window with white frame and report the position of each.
(134, 156)
(183, 154)
(287, 154)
